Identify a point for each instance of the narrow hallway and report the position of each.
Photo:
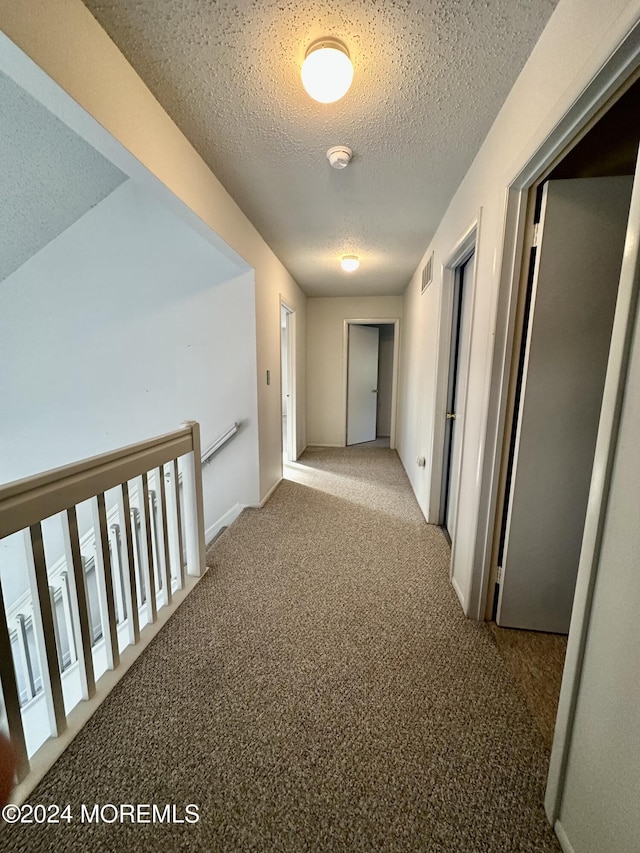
(320, 690)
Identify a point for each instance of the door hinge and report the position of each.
(499, 578)
(451, 416)
(536, 231)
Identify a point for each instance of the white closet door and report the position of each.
(362, 387)
(579, 256)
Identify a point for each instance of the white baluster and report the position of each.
(193, 504)
(146, 551)
(166, 557)
(68, 621)
(131, 585)
(10, 696)
(44, 630)
(104, 579)
(175, 527)
(116, 567)
(56, 627)
(25, 656)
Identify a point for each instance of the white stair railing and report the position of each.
(84, 610)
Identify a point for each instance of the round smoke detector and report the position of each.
(339, 156)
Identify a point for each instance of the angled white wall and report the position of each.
(118, 330)
(65, 41)
(49, 178)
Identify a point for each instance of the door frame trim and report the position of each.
(624, 324)
(371, 321)
(617, 72)
(292, 432)
(458, 255)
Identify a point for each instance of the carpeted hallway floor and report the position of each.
(320, 690)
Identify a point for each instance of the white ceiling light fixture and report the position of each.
(327, 71)
(350, 263)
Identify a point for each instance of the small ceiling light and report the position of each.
(350, 263)
(327, 71)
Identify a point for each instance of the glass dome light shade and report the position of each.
(327, 71)
(350, 263)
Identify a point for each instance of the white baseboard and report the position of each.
(566, 845)
(458, 591)
(314, 444)
(269, 493)
(224, 521)
(301, 452)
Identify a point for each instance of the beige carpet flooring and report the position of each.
(320, 690)
(536, 662)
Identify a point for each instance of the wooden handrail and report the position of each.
(24, 502)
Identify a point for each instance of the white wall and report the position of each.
(118, 330)
(326, 359)
(66, 42)
(418, 352)
(580, 36)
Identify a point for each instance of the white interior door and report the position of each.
(362, 383)
(575, 284)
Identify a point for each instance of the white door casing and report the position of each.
(457, 257)
(591, 796)
(458, 375)
(288, 374)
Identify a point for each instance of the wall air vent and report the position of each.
(427, 274)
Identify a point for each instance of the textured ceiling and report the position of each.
(49, 177)
(430, 77)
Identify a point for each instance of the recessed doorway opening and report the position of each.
(564, 220)
(577, 222)
(455, 326)
(371, 367)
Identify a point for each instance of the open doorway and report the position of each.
(454, 347)
(577, 221)
(288, 382)
(371, 349)
(460, 341)
(563, 362)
